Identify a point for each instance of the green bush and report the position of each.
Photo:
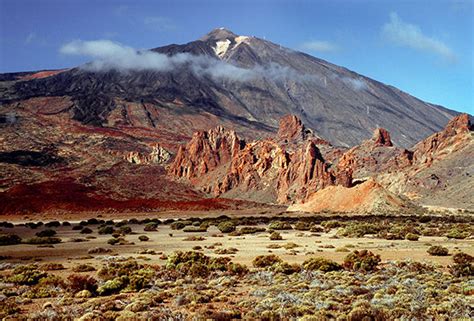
(247, 230)
(316, 229)
(86, 230)
(46, 233)
(143, 238)
(113, 286)
(79, 282)
(53, 224)
(275, 236)
(43, 240)
(52, 267)
(9, 239)
(363, 260)
(149, 227)
(27, 275)
(83, 268)
(195, 229)
(106, 229)
(411, 237)
(331, 224)
(457, 234)
(463, 265)
(438, 250)
(125, 230)
(226, 227)
(113, 241)
(179, 225)
(359, 229)
(302, 226)
(285, 268)
(279, 225)
(321, 264)
(263, 261)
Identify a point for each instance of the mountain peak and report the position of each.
(219, 34)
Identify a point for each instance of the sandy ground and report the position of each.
(309, 244)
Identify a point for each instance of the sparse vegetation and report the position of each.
(363, 260)
(9, 239)
(321, 264)
(275, 236)
(438, 250)
(226, 227)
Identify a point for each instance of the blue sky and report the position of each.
(422, 47)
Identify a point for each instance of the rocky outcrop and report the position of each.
(283, 170)
(381, 137)
(454, 137)
(374, 156)
(368, 197)
(206, 151)
(158, 155)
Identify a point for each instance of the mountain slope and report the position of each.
(246, 82)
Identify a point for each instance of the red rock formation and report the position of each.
(374, 156)
(205, 152)
(381, 137)
(285, 169)
(452, 138)
(291, 129)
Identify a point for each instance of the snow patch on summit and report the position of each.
(221, 47)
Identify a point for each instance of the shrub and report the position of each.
(66, 223)
(316, 229)
(179, 225)
(86, 230)
(302, 226)
(143, 238)
(9, 239)
(27, 275)
(263, 261)
(285, 268)
(361, 261)
(226, 227)
(331, 224)
(113, 241)
(52, 266)
(275, 236)
(125, 230)
(194, 238)
(247, 230)
(46, 233)
(321, 264)
(43, 240)
(279, 225)
(438, 250)
(107, 229)
(359, 229)
(149, 227)
(190, 229)
(79, 282)
(83, 268)
(77, 227)
(463, 265)
(411, 237)
(53, 224)
(457, 234)
(112, 286)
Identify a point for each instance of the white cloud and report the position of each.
(159, 23)
(320, 46)
(107, 55)
(30, 37)
(410, 35)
